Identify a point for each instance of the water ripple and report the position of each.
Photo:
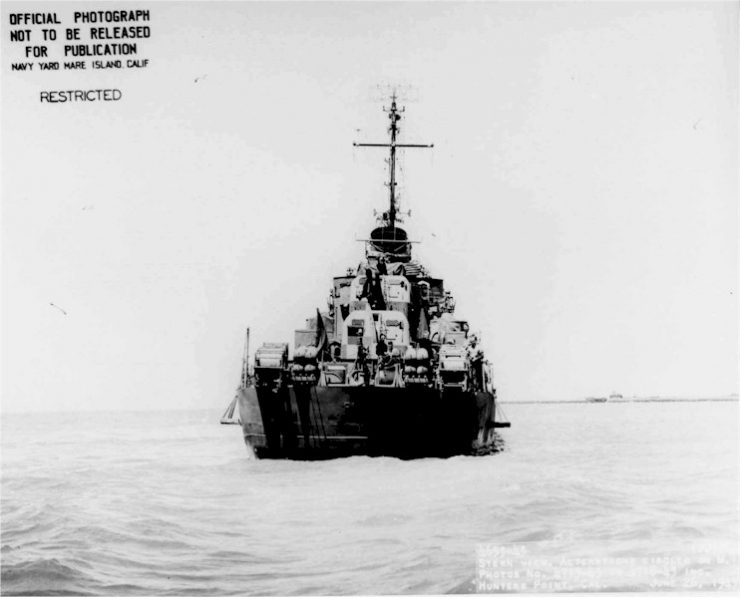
(168, 504)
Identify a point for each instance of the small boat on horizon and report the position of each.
(596, 400)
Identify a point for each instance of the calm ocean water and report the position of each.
(629, 496)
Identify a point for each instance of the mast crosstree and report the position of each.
(394, 117)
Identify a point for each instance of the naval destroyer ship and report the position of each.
(388, 369)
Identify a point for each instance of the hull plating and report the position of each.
(321, 422)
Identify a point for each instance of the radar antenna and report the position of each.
(394, 117)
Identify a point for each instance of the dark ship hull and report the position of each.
(315, 422)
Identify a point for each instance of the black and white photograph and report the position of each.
(365, 298)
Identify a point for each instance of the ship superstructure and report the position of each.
(387, 369)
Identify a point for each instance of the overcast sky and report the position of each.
(581, 201)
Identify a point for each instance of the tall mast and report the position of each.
(394, 117)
